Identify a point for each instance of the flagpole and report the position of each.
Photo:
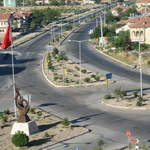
(13, 75)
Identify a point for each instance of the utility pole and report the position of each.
(23, 3)
(101, 38)
(141, 75)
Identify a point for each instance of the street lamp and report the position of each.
(79, 42)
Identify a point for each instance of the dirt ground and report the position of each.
(48, 124)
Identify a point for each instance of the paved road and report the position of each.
(81, 105)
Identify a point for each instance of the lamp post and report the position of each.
(101, 23)
(141, 75)
(80, 57)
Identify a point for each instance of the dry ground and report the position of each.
(48, 124)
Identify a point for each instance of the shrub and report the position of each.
(66, 80)
(62, 56)
(97, 78)
(139, 103)
(32, 110)
(77, 68)
(68, 27)
(20, 139)
(7, 112)
(55, 51)
(84, 71)
(4, 118)
(69, 70)
(50, 66)
(118, 93)
(135, 94)
(39, 113)
(148, 62)
(93, 76)
(65, 122)
(87, 80)
(56, 78)
(46, 135)
(108, 96)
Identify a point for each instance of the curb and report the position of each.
(88, 130)
(67, 86)
(123, 107)
(110, 56)
(17, 44)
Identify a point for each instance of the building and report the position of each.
(20, 21)
(4, 21)
(9, 3)
(140, 30)
(142, 3)
(117, 10)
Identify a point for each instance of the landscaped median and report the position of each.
(52, 130)
(62, 72)
(122, 100)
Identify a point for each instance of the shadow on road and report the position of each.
(136, 90)
(6, 70)
(47, 126)
(85, 118)
(46, 104)
(6, 59)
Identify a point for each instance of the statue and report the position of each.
(23, 107)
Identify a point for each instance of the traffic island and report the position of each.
(62, 72)
(123, 100)
(52, 130)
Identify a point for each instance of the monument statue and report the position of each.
(23, 107)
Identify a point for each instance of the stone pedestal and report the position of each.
(28, 127)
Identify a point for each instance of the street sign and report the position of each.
(77, 148)
(109, 76)
(128, 133)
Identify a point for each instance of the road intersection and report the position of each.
(81, 105)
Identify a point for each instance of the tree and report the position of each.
(122, 40)
(112, 19)
(97, 1)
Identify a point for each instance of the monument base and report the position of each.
(28, 127)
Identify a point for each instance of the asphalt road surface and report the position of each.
(81, 105)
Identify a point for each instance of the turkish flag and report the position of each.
(7, 41)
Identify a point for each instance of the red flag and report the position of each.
(7, 41)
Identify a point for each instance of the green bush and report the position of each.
(39, 113)
(7, 112)
(84, 71)
(65, 122)
(50, 66)
(135, 94)
(108, 96)
(61, 56)
(148, 62)
(97, 78)
(93, 76)
(55, 51)
(139, 103)
(4, 118)
(118, 93)
(56, 78)
(87, 80)
(77, 68)
(66, 80)
(32, 110)
(20, 139)
(46, 135)
(68, 27)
